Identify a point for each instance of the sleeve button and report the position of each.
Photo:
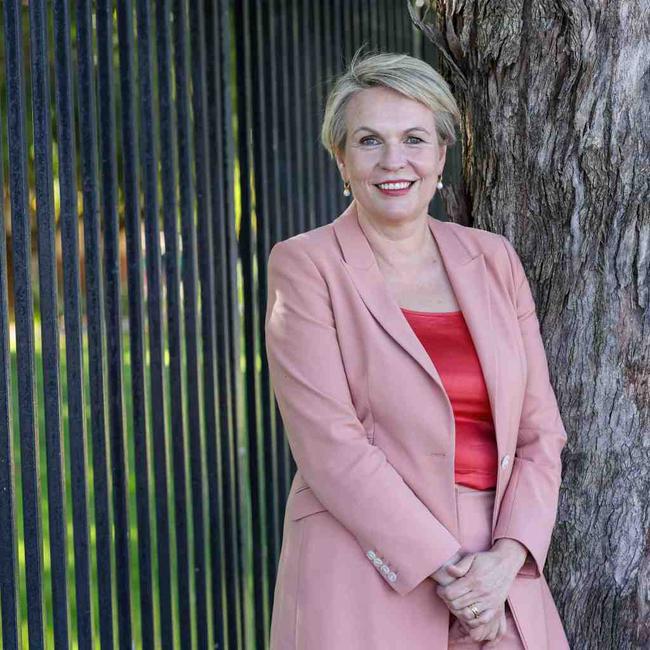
(371, 555)
(392, 576)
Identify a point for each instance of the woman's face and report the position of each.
(390, 137)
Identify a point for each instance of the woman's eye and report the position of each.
(370, 137)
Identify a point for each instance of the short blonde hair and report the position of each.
(405, 74)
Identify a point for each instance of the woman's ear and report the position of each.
(340, 163)
(442, 156)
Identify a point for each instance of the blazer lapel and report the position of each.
(468, 277)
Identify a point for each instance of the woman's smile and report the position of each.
(395, 189)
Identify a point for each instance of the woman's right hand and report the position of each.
(493, 639)
(493, 629)
(443, 577)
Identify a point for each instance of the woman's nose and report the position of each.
(393, 155)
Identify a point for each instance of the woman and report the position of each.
(407, 362)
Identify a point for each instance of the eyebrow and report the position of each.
(413, 128)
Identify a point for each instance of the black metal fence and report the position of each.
(154, 151)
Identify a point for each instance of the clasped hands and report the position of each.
(483, 578)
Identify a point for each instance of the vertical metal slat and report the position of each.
(8, 536)
(136, 317)
(266, 516)
(24, 313)
(149, 166)
(188, 263)
(232, 349)
(322, 190)
(172, 278)
(247, 244)
(94, 302)
(306, 142)
(49, 320)
(340, 46)
(224, 544)
(72, 312)
(205, 264)
(113, 317)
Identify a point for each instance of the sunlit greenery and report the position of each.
(240, 436)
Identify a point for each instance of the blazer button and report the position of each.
(378, 561)
(371, 555)
(504, 461)
(385, 569)
(392, 576)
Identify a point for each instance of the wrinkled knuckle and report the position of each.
(474, 634)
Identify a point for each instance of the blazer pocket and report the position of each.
(303, 503)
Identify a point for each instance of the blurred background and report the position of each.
(151, 153)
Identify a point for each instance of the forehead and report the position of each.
(384, 109)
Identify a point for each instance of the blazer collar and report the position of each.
(468, 277)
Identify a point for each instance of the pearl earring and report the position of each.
(439, 183)
(346, 188)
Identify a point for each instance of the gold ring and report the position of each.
(474, 611)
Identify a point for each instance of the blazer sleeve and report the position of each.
(529, 506)
(350, 476)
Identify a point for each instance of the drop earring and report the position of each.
(439, 183)
(346, 188)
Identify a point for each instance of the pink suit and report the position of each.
(372, 510)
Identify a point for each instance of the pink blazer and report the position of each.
(371, 429)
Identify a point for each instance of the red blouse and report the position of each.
(448, 342)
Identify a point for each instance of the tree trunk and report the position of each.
(555, 99)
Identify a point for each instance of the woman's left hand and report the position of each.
(486, 584)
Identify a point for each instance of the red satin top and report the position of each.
(447, 340)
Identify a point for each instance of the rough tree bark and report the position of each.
(556, 103)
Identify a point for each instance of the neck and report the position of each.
(400, 245)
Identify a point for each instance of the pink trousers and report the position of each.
(475, 521)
